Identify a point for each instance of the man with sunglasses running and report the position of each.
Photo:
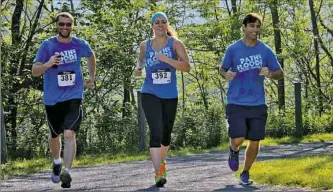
(59, 59)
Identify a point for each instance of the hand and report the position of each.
(265, 72)
(162, 57)
(89, 84)
(229, 75)
(54, 61)
(138, 71)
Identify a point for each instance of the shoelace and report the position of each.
(56, 169)
(234, 156)
(245, 175)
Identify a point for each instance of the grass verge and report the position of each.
(315, 172)
(306, 139)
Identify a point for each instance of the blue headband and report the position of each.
(158, 14)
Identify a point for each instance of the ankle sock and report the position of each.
(57, 161)
(67, 170)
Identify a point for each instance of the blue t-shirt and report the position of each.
(161, 79)
(247, 88)
(64, 82)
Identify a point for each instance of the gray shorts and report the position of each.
(246, 121)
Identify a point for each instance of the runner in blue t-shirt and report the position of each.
(59, 59)
(246, 63)
(161, 56)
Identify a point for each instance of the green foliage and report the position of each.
(318, 124)
(108, 132)
(199, 128)
(114, 30)
(280, 124)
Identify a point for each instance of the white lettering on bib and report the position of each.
(161, 76)
(66, 78)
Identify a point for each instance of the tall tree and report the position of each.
(15, 60)
(278, 48)
(3, 146)
(21, 41)
(315, 32)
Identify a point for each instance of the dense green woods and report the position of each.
(300, 31)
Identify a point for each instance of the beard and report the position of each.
(64, 36)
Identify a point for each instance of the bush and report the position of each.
(199, 128)
(280, 124)
(313, 123)
(283, 124)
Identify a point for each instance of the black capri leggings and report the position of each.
(160, 115)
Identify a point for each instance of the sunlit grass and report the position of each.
(315, 172)
(307, 139)
(190, 151)
(24, 167)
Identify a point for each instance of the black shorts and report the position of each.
(65, 115)
(246, 121)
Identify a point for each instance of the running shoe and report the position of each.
(56, 170)
(233, 160)
(66, 179)
(245, 178)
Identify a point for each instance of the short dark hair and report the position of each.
(252, 18)
(64, 14)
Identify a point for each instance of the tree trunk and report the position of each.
(234, 6)
(126, 100)
(3, 144)
(73, 11)
(12, 104)
(278, 50)
(316, 47)
(3, 138)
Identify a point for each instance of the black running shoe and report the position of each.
(56, 170)
(66, 179)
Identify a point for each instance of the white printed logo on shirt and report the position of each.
(67, 56)
(250, 62)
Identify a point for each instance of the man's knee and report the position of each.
(69, 134)
(237, 141)
(254, 145)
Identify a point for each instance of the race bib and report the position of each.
(161, 76)
(66, 78)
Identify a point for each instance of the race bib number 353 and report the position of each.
(161, 76)
(66, 78)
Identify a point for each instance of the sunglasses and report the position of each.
(162, 21)
(61, 24)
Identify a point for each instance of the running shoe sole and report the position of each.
(161, 182)
(66, 180)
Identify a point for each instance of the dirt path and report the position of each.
(204, 172)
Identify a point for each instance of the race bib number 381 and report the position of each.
(66, 78)
(161, 76)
